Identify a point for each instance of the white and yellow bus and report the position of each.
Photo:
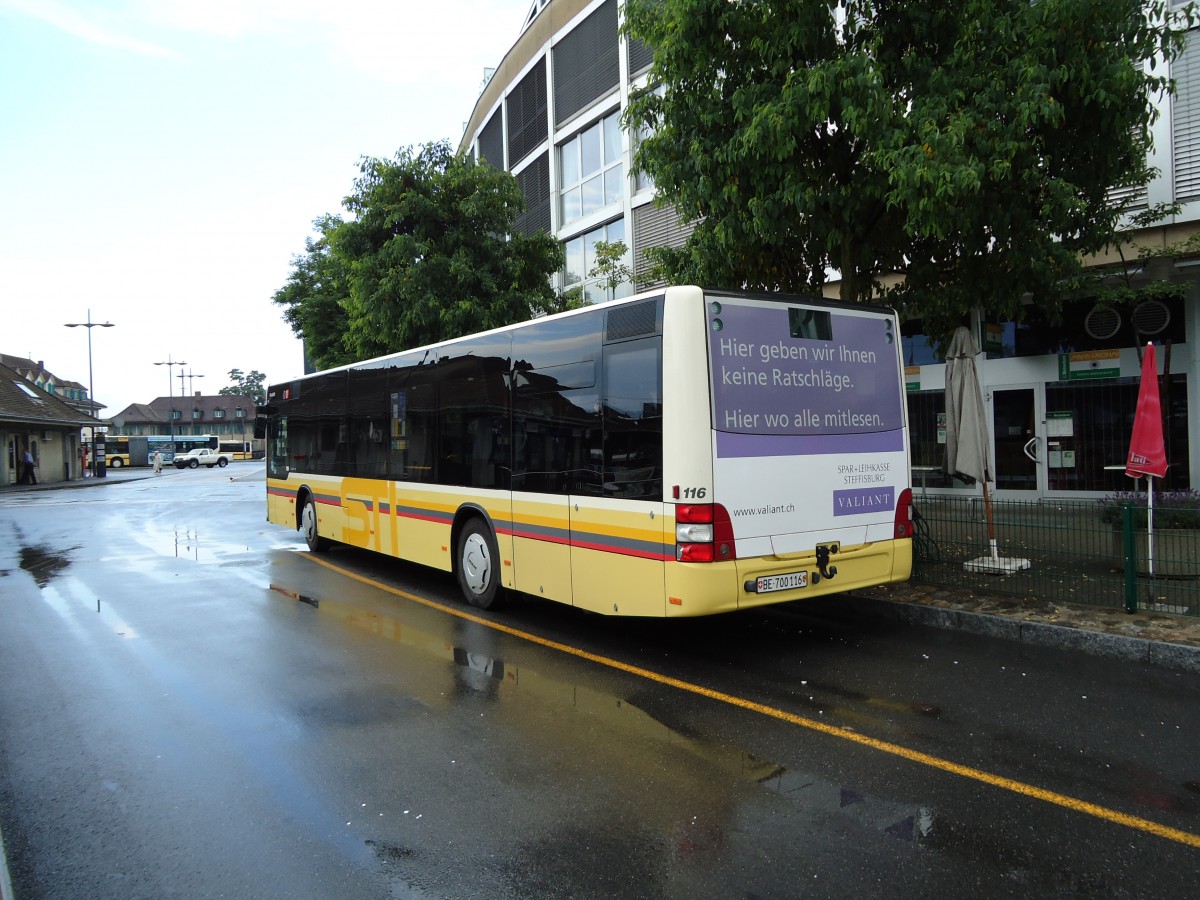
(678, 453)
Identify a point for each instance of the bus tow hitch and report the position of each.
(824, 551)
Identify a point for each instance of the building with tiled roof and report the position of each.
(71, 392)
(47, 425)
(225, 415)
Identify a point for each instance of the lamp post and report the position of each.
(170, 363)
(189, 376)
(89, 325)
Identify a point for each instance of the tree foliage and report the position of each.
(428, 251)
(946, 155)
(252, 385)
(315, 296)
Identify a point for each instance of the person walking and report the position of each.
(28, 475)
(157, 462)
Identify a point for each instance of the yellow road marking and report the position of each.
(845, 734)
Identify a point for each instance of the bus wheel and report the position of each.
(478, 559)
(114, 463)
(308, 524)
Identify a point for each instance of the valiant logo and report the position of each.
(857, 501)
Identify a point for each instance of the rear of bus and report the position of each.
(785, 449)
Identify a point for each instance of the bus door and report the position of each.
(617, 527)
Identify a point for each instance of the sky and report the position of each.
(162, 162)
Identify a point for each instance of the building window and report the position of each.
(240, 413)
(581, 259)
(218, 413)
(590, 170)
(197, 414)
(176, 414)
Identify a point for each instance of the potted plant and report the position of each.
(1176, 530)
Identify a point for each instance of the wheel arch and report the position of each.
(303, 493)
(462, 516)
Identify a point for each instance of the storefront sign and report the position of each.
(1089, 364)
(912, 378)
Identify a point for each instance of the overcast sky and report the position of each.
(161, 162)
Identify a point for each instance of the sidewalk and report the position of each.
(1160, 639)
(112, 476)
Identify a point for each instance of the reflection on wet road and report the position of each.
(624, 722)
(1184, 837)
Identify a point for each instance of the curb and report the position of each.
(1041, 634)
(6, 888)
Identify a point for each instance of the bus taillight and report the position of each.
(904, 514)
(703, 533)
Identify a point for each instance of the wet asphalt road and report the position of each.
(190, 706)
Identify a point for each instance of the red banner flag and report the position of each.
(1147, 454)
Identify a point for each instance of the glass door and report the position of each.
(1020, 440)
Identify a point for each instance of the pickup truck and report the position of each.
(202, 456)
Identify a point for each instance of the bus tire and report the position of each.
(308, 524)
(114, 463)
(477, 562)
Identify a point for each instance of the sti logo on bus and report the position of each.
(856, 501)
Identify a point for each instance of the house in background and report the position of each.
(229, 416)
(70, 392)
(34, 418)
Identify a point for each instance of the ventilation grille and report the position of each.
(586, 63)
(534, 181)
(526, 105)
(634, 320)
(1102, 322)
(1151, 317)
(491, 141)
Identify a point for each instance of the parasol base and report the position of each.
(997, 565)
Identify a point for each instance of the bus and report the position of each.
(138, 449)
(677, 453)
(242, 449)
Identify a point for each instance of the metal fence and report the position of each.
(1073, 555)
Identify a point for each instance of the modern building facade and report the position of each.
(1061, 397)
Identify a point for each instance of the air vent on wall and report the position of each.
(1151, 317)
(1102, 322)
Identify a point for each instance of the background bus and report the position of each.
(253, 449)
(672, 454)
(137, 449)
(170, 445)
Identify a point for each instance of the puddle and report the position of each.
(45, 564)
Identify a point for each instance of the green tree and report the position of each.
(315, 295)
(947, 155)
(428, 251)
(610, 266)
(252, 385)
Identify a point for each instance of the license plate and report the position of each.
(785, 582)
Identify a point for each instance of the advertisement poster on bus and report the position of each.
(815, 394)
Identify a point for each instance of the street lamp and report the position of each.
(189, 376)
(89, 325)
(170, 363)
